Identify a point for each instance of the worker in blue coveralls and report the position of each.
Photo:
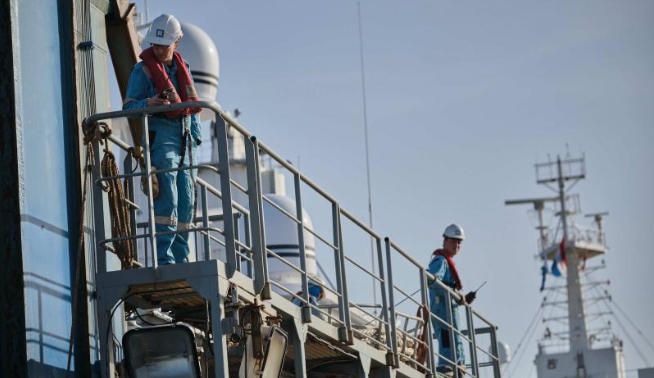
(162, 78)
(443, 268)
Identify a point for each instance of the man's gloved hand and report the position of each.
(470, 297)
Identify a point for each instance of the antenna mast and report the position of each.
(574, 172)
(365, 132)
(577, 349)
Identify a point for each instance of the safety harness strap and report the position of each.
(450, 263)
(162, 83)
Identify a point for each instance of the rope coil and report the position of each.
(121, 224)
(119, 210)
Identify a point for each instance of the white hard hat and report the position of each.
(454, 231)
(164, 30)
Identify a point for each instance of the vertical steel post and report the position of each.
(299, 337)
(106, 343)
(266, 290)
(107, 299)
(390, 354)
(221, 361)
(196, 245)
(344, 332)
(205, 223)
(148, 172)
(146, 252)
(391, 298)
(128, 168)
(237, 236)
(259, 255)
(494, 351)
(306, 308)
(248, 242)
(473, 343)
(226, 190)
(450, 325)
(98, 213)
(424, 287)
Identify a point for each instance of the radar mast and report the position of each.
(568, 245)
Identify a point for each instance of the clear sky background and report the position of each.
(463, 99)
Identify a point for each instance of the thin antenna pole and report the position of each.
(147, 15)
(365, 132)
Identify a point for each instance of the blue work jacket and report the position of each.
(168, 131)
(437, 295)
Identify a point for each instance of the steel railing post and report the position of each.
(391, 299)
(259, 255)
(205, 223)
(306, 308)
(237, 237)
(148, 172)
(248, 242)
(344, 332)
(494, 352)
(429, 339)
(98, 213)
(128, 168)
(451, 331)
(390, 355)
(226, 189)
(473, 344)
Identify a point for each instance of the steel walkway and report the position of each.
(344, 338)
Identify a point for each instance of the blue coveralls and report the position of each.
(173, 208)
(437, 299)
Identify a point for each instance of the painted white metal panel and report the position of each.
(598, 363)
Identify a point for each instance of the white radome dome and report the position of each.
(504, 352)
(282, 238)
(199, 50)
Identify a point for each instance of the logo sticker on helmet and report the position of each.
(160, 33)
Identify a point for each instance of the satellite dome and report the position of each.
(200, 52)
(282, 239)
(503, 351)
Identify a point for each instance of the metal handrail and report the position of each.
(467, 336)
(366, 271)
(384, 278)
(148, 170)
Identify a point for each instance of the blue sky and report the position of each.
(463, 99)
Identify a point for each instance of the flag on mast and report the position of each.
(559, 258)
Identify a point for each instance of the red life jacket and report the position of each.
(450, 263)
(157, 73)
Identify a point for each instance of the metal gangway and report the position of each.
(390, 337)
